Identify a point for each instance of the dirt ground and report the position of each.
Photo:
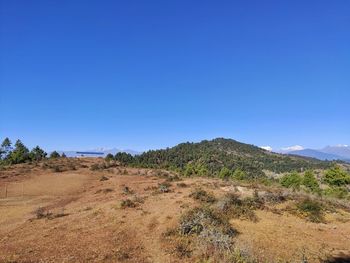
(87, 223)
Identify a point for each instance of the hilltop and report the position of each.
(209, 157)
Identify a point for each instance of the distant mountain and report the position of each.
(98, 150)
(211, 156)
(341, 150)
(316, 154)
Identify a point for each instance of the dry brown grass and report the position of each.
(96, 229)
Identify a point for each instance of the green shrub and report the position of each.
(109, 157)
(336, 176)
(225, 173)
(238, 174)
(310, 181)
(291, 180)
(55, 155)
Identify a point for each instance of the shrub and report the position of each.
(310, 181)
(54, 155)
(202, 196)
(127, 190)
(225, 173)
(291, 180)
(198, 219)
(238, 174)
(232, 206)
(335, 176)
(109, 157)
(311, 209)
(128, 203)
(164, 187)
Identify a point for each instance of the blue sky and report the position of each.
(151, 74)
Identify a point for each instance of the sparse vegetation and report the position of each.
(234, 207)
(311, 209)
(128, 203)
(202, 196)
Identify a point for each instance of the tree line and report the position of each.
(19, 153)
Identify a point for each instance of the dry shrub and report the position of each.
(202, 196)
(232, 206)
(132, 202)
(311, 209)
(128, 203)
(164, 187)
(41, 213)
(127, 190)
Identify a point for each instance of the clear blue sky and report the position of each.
(151, 74)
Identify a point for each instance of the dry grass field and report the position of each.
(79, 210)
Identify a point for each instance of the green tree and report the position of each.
(225, 173)
(109, 157)
(37, 154)
(310, 181)
(124, 158)
(6, 147)
(291, 180)
(20, 154)
(335, 176)
(54, 155)
(63, 155)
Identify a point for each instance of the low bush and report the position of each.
(201, 195)
(127, 190)
(128, 203)
(311, 209)
(164, 187)
(232, 206)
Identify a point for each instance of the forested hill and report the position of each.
(209, 157)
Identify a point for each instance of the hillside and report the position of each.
(78, 213)
(209, 157)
